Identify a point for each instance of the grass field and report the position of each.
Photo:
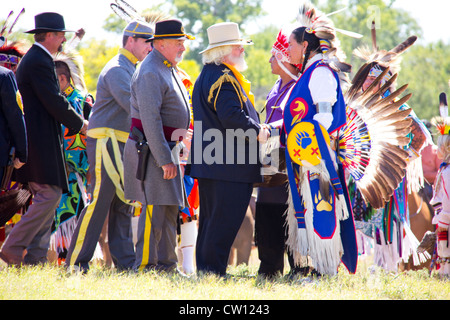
(51, 282)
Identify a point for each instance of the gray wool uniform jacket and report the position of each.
(112, 105)
(158, 100)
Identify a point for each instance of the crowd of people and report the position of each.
(155, 145)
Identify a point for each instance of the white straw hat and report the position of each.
(224, 34)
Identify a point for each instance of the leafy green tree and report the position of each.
(96, 55)
(392, 25)
(198, 15)
(259, 71)
(114, 24)
(426, 68)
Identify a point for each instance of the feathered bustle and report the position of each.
(371, 142)
(387, 59)
(405, 45)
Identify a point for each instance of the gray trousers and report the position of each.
(104, 204)
(156, 238)
(32, 233)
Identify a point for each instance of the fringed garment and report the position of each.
(72, 202)
(318, 199)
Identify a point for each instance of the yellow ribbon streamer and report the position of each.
(102, 156)
(103, 135)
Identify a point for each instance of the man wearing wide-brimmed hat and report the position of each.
(109, 126)
(223, 104)
(160, 115)
(45, 110)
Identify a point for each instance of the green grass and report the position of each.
(50, 282)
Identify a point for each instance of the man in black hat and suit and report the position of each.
(45, 173)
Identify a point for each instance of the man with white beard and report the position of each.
(160, 118)
(224, 156)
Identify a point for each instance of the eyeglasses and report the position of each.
(7, 58)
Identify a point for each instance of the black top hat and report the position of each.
(49, 22)
(171, 29)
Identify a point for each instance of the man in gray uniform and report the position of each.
(109, 127)
(160, 112)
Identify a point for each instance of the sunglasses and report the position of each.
(7, 58)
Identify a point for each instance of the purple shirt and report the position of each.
(274, 113)
(274, 99)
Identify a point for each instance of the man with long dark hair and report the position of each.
(314, 114)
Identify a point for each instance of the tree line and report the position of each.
(425, 66)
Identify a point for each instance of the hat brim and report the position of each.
(146, 38)
(229, 43)
(39, 30)
(175, 37)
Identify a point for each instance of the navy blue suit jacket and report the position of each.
(224, 145)
(12, 124)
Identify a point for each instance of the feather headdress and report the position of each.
(442, 122)
(10, 54)
(155, 16)
(3, 33)
(127, 13)
(13, 52)
(322, 26)
(75, 63)
(370, 145)
(375, 60)
(280, 51)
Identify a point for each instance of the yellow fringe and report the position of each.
(218, 85)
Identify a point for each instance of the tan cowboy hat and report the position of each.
(225, 34)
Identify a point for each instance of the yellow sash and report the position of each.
(103, 135)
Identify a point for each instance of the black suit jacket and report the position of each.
(45, 110)
(227, 157)
(12, 124)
